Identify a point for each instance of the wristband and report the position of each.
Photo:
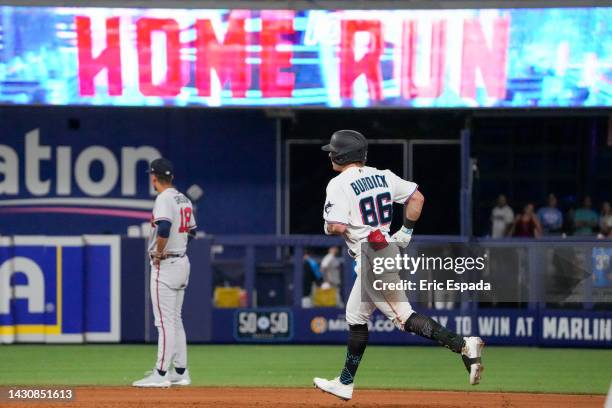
(407, 231)
(409, 223)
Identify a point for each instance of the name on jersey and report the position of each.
(181, 199)
(368, 183)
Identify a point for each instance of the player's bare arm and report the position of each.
(414, 206)
(160, 247)
(335, 228)
(412, 213)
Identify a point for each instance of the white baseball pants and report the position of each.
(168, 283)
(363, 300)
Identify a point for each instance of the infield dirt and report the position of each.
(119, 397)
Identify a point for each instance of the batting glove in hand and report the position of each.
(402, 237)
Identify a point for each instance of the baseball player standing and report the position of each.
(359, 207)
(173, 227)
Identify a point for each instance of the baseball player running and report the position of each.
(173, 227)
(359, 206)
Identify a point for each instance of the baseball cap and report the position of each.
(161, 167)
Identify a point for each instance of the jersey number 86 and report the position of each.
(375, 212)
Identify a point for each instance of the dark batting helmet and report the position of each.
(347, 146)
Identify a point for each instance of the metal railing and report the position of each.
(529, 266)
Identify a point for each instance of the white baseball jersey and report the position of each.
(170, 278)
(362, 199)
(173, 206)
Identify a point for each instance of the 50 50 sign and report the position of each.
(257, 325)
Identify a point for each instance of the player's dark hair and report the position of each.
(164, 179)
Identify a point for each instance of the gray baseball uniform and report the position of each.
(170, 278)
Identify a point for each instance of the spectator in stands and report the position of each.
(605, 220)
(501, 218)
(585, 218)
(526, 224)
(331, 269)
(312, 275)
(550, 217)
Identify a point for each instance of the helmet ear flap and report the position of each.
(350, 157)
(337, 158)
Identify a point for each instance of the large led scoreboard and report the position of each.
(554, 57)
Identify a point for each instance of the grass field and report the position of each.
(425, 368)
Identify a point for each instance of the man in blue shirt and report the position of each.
(586, 219)
(550, 217)
(312, 274)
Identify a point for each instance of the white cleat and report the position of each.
(471, 355)
(334, 387)
(180, 379)
(153, 380)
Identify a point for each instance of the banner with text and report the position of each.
(563, 328)
(60, 289)
(345, 58)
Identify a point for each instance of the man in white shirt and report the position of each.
(502, 218)
(331, 268)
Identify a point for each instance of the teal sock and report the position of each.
(357, 342)
(347, 376)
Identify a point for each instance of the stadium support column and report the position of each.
(465, 198)
(198, 305)
(249, 275)
(298, 272)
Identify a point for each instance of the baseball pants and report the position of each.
(168, 283)
(364, 299)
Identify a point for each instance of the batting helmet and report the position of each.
(347, 146)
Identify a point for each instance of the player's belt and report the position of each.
(173, 256)
(168, 256)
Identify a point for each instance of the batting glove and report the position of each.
(402, 237)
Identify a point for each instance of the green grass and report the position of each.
(507, 368)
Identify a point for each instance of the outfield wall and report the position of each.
(94, 289)
(60, 290)
(516, 327)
